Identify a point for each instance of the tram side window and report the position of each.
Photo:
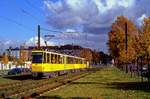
(79, 61)
(67, 60)
(48, 58)
(52, 58)
(76, 61)
(56, 58)
(63, 59)
(70, 60)
(83, 61)
(37, 57)
(44, 60)
(59, 59)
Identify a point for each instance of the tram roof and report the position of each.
(57, 53)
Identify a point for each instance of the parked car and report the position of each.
(15, 71)
(145, 72)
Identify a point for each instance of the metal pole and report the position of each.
(126, 44)
(38, 36)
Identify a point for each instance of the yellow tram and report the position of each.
(46, 62)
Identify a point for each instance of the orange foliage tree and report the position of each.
(96, 57)
(145, 38)
(5, 59)
(117, 40)
(87, 54)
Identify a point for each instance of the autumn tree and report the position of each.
(96, 57)
(4, 59)
(145, 41)
(145, 37)
(87, 54)
(23, 56)
(113, 45)
(117, 40)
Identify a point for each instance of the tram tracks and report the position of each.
(35, 88)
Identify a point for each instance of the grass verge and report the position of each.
(108, 83)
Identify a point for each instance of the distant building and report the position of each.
(65, 49)
(25, 53)
(75, 50)
(13, 52)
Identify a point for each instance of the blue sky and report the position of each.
(12, 10)
(83, 22)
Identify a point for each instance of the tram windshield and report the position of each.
(37, 57)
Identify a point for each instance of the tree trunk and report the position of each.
(141, 68)
(137, 69)
(148, 67)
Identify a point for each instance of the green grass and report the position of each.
(6, 80)
(3, 79)
(109, 83)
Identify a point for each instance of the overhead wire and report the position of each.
(29, 14)
(38, 21)
(15, 22)
(20, 24)
(56, 31)
(34, 7)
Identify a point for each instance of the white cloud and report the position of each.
(126, 3)
(91, 16)
(54, 7)
(70, 30)
(34, 40)
(140, 19)
(65, 13)
(6, 43)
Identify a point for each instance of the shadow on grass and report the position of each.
(19, 77)
(93, 77)
(59, 97)
(143, 86)
(84, 83)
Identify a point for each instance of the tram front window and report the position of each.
(37, 57)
